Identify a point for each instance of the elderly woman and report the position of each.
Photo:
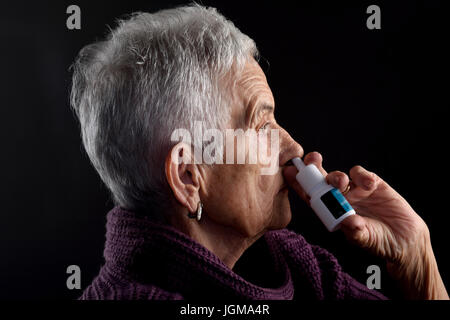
(179, 227)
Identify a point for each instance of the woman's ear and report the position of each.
(183, 176)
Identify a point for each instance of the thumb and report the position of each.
(355, 230)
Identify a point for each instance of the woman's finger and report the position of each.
(338, 179)
(316, 159)
(364, 179)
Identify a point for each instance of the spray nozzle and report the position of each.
(298, 163)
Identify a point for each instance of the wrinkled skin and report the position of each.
(240, 204)
(238, 195)
(385, 223)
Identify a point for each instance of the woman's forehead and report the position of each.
(252, 88)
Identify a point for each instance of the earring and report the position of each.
(198, 214)
(199, 211)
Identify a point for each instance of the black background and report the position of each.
(378, 98)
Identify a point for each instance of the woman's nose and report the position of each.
(289, 148)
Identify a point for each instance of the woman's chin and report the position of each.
(282, 216)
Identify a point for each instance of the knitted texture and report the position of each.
(147, 260)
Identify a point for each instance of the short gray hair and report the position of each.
(154, 73)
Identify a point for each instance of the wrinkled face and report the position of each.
(239, 195)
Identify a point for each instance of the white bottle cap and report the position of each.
(308, 176)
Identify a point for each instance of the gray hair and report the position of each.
(154, 73)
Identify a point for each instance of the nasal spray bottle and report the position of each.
(327, 202)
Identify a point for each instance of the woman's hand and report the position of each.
(385, 224)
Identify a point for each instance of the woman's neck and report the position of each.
(225, 242)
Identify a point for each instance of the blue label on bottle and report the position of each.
(336, 203)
